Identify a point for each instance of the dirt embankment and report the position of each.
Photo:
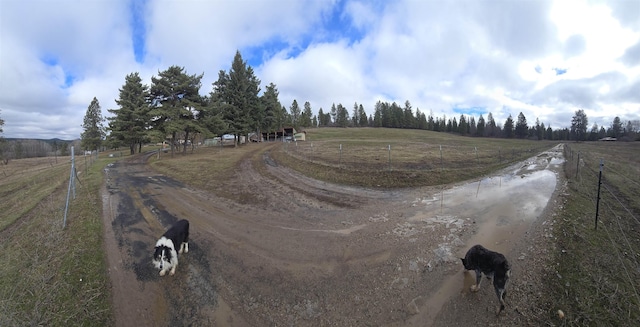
(296, 251)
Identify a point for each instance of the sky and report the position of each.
(546, 59)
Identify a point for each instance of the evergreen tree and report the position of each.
(305, 118)
(129, 123)
(321, 119)
(377, 115)
(579, 124)
(508, 127)
(334, 114)
(472, 127)
(522, 129)
(462, 125)
(431, 122)
(342, 116)
(480, 129)
(355, 118)
(94, 131)
(397, 116)
(236, 97)
(491, 127)
(408, 120)
(363, 116)
(616, 128)
(272, 109)
(175, 102)
(295, 113)
(593, 134)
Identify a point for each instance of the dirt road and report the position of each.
(299, 252)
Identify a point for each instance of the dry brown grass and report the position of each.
(594, 272)
(51, 276)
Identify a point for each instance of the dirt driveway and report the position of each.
(308, 253)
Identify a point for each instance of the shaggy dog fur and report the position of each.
(491, 264)
(165, 256)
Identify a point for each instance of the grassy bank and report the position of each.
(52, 276)
(595, 279)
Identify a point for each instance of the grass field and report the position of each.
(54, 276)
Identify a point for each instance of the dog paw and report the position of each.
(162, 272)
(474, 288)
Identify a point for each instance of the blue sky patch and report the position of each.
(138, 29)
(470, 111)
(538, 69)
(560, 71)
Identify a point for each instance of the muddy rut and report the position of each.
(298, 252)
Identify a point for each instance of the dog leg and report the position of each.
(476, 287)
(162, 272)
(173, 270)
(186, 247)
(501, 293)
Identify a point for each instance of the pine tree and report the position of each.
(295, 113)
(521, 130)
(175, 102)
(235, 96)
(272, 109)
(491, 126)
(408, 120)
(305, 118)
(342, 116)
(462, 125)
(94, 131)
(616, 128)
(508, 127)
(480, 129)
(321, 118)
(579, 124)
(363, 116)
(129, 123)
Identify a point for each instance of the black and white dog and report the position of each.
(165, 257)
(493, 265)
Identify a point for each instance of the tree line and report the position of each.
(172, 109)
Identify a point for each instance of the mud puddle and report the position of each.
(499, 208)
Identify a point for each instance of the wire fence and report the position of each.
(407, 156)
(89, 159)
(616, 206)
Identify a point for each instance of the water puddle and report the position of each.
(500, 208)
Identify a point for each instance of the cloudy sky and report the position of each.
(545, 59)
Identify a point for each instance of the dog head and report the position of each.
(164, 254)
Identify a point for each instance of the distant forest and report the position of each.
(171, 109)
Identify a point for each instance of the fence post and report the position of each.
(71, 181)
(340, 160)
(389, 157)
(477, 158)
(578, 164)
(599, 183)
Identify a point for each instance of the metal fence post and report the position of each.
(599, 184)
